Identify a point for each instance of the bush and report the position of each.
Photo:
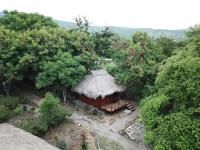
(84, 145)
(61, 144)
(18, 110)
(51, 111)
(36, 126)
(9, 102)
(4, 113)
(23, 100)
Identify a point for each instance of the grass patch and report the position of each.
(61, 144)
(108, 144)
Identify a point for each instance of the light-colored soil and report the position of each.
(108, 131)
(72, 134)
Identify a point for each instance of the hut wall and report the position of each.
(99, 101)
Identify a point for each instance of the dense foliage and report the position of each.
(172, 113)
(4, 113)
(8, 107)
(65, 71)
(136, 63)
(21, 21)
(51, 114)
(24, 53)
(102, 42)
(34, 125)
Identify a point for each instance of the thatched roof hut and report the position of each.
(98, 86)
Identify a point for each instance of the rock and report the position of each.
(12, 138)
(127, 111)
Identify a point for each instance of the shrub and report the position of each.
(9, 102)
(18, 110)
(84, 145)
(36, 126)
(23, 100)
(4, 113)
(51, 111)
(61, 144)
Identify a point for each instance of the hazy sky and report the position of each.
(168, 14)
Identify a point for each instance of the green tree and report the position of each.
(20, 21)
(51, 112)
(10, 70)
(137, 65)
(141, 38)
(80, 43)
(171, 112)
(23, 53)
(63, 72)
(193, 40)
(103, 41)
(38, 46)
(82, 23)
(167, 45)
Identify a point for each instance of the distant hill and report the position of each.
(127, 32)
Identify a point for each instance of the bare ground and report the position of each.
(72, 134)
(109, 131)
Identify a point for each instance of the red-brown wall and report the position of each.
(99, 102)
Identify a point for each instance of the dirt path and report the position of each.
(122, 122)
(108, 131)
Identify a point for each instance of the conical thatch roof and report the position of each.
(98, 83)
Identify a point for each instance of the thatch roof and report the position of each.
(98, 83)
(12, 138)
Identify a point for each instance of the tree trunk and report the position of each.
(6, 89)
(64, 95)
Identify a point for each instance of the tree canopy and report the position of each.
(63, 72)
(20, 21)
(171, 112)
(25, 50)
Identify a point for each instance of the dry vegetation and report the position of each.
(73, 135)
